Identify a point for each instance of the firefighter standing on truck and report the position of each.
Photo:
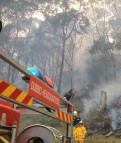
(76, 118)
(80, 132)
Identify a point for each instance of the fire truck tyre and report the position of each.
(37, 134)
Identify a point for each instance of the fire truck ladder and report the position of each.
(8, 131)
(29, 99)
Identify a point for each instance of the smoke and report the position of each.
(93, 102)
(113, 91)
(113, 114)
(82, 57)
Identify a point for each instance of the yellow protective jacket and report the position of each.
(79, 133)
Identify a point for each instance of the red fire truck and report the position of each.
(40, 93)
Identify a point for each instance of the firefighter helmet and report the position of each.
(75, 113)
(81, 122)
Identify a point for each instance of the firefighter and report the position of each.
(80, 132)
(76, 120)
(74, 114)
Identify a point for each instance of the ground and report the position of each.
(101, 139)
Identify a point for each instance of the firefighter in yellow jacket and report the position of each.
(80, 132)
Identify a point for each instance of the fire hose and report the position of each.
(43, 133)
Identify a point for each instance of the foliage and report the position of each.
(99, 122)
(103, 61)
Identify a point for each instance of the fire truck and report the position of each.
(12, 98)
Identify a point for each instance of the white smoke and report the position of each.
(113, 91)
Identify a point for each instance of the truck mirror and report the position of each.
(0, 25)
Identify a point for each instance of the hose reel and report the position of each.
(39, 134)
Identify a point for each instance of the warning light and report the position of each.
(69, 108)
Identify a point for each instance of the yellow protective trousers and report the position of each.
(81, 141)
(79, 134)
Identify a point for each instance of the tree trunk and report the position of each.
(61, 68)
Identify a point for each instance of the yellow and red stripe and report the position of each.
(64, 116)
(14, 93)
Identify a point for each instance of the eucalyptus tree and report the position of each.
(105, 21)
(64, 24)
(73, 47)
(20, 33)
(15, 16)
(53, 36)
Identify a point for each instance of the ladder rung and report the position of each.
(6, 130)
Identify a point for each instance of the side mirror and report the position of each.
(0, 25)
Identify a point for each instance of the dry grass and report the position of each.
(101, 139)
